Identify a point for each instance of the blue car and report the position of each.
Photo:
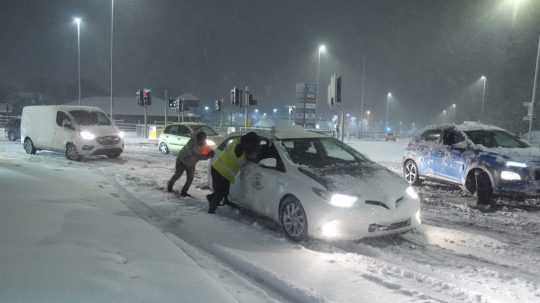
(484, 160)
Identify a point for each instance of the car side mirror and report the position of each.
(67, 124)
(268, 163)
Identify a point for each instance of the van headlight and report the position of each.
(343, 201)
(121, 135)
(86, 135)
(510, 176)
(411, 192)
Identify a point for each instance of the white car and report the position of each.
(176, 135)
(76, 131)
(316, 186)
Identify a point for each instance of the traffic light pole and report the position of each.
(166, 99)
(145, 120)
(533, 97)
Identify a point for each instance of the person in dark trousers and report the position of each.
(228, 164)
(195, 150)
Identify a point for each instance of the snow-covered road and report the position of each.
(459, 255)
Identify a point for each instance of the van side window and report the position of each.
(61, 117)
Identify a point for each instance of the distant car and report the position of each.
(390, 136)
(176, 135)
(76, 131)
(316, 186)
(13, 129)
(482, 159)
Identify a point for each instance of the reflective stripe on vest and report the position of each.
(227, 164)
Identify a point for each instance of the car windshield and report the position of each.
(85, 117)
(320, 153)
(495, 138)
(208, 130)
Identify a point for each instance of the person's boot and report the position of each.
(170, 186)
(212, 205)
(185, 194)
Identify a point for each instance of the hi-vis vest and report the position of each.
(227, 163)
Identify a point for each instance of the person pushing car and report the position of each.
(195, 150)
(228, 164)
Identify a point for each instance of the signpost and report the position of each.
(306, 104)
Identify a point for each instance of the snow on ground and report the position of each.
(459, 255)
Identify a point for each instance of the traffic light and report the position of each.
(140, 97)
(172, 103)
(251, 100)
(218, 105)
(236, 96)
(338, 89)
(147, 97)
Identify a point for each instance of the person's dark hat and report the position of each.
(250, 138)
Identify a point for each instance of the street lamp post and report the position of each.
(77, 22)
(388, 98)
(484, 86)
(454, 111)
(111, 55)
(533, 96)
(322, 50)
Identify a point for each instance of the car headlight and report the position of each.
(86, 135)
(411, 192)
(418, 217)
(343, 201)
(516, 164)
(210, 142)
(510, 176)
(330, 229)
(121, 135)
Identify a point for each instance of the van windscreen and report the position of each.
(85, 117)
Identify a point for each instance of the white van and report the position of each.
(76, 131)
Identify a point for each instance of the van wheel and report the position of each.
(293, 219)
(71, 152)
(163, 148)
(29, 146)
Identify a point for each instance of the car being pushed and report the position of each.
(176, 135)
(316, 186)
(484, 160)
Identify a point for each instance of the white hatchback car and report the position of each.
(316, 186)
(176, 135)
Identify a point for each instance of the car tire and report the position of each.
(163, 148)
(113, 155)
(71, 152)
(11, 136)
(293, 219)
(410, 172)
(29, 146)
(483, 190)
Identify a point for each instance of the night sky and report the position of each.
(429, 53)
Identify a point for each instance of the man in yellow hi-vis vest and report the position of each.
(228, 164)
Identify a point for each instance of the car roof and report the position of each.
(281, 133)
(67, 107)
(465, 126)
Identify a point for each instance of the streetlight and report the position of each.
(322, 50)
(256, 110)
(206, 108)
(111, 53)
(77, 22)
(275, 110)
(388, 99)
(484, 86)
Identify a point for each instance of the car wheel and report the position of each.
(293, 219)
(484, 190)
(410, 171)
(11, 136)
(163, 148)
(29, 146)
(71, 152)
(113, 155)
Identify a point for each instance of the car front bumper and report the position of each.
(365, 221)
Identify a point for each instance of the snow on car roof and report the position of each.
(67, 107)
(283, 133)
(466, 126)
